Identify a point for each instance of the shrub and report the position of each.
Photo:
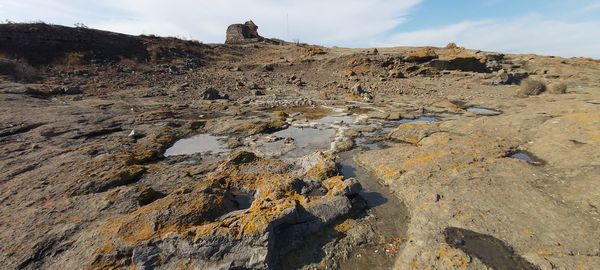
(559, 87)
(19, 71)
(531, 87)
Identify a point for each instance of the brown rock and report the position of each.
(243, 33)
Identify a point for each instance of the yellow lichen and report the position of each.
(344, 226)
(422, 159)
(452, 258)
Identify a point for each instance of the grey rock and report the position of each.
(243, 33)
(71, 90)
(212, 94)
(136, 134)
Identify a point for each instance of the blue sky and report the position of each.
(550, 27)
(439, 13)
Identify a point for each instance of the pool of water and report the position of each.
(388, 126)
(305, 140)
(243, 199)
(418, 119)
(299, 139)
(483, 111)
(526, 157)
(389, 218)
(201, 143)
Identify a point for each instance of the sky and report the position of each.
(548, 27)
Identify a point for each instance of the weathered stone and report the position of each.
(472, 64)
(510, 78)
(243, 33)
(396, 73)
(421, 56)
(42, 43)
(212, 94)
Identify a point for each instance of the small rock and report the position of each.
(148, 195)
(71, 90)
(394, 116)
(349, 73)
(234, 142)
(396, 74)
(212, 94)
(254, 86)
(136, 134)
(357, 89)
(268, 67)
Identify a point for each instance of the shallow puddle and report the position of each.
(306, 137)
(305, 140)
(201, 143)
(388, 126)
(483, 111)
(243, 199)
(524, 156)
(388, 216)
(418, 119)
(336, 119)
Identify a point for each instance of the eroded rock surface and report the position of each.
(86, 181)
(243, 33)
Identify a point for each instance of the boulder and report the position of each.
(71, 90)
(212, 94)
(396, 73)
(243, 33)
(421, 56)
(358, 90)
(472, 64)
(510, 78)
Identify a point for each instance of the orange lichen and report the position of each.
(452, 258)
(145, 232)
(107, 248)
(585, 117)
(423, 159)
(334, 184)
(362, 69)
(344, 226)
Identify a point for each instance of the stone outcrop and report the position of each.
(205, 226)
(42, 43)
(243, 33)
(472, 64)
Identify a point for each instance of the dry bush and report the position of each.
(559, 87)
(531, 87)
(19, 71)
(72, 59)
(130, 63)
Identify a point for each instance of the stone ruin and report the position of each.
(243, 33)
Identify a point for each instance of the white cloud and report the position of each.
(351, 23)
(531, 34)
(329, 22)
(592, 6)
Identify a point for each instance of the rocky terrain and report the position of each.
(144, 152)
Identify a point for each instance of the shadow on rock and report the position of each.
(373, 199)
(490, 250)
(303, 243)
